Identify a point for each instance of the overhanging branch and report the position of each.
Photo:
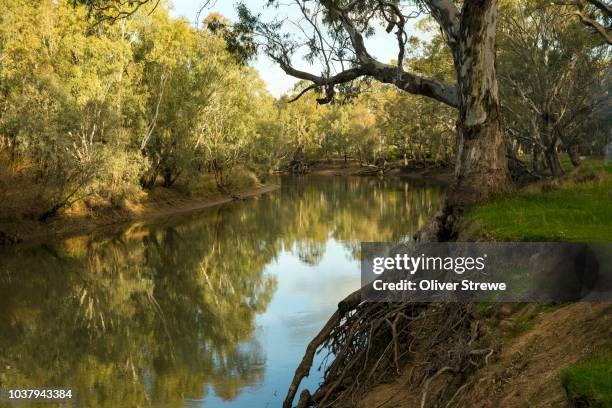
(601, 30)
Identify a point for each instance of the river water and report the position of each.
(210, 309)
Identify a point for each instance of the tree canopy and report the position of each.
(99, 108)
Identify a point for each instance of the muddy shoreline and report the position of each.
(31, 231)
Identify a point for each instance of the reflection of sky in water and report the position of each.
(154, 315)
(305, 298)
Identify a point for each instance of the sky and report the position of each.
(381, 45)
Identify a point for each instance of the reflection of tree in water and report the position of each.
(310, 252)
(150, 315)
(351, 210)
(128, 321)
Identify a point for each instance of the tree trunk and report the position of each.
(14, 150)
(549, 140)
(299, 163)
(481, 166)
(534, 159)
(52, 212)
(573, 151)
(149, 178)
(171, 174)
(552, 161)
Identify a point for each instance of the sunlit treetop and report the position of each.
(113, 9)
(238, 38)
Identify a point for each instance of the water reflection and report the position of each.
(154, 315)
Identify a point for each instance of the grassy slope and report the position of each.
(577, 209)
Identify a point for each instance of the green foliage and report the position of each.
(577, 211)
(238, 38)
(104, 111)
(109, 110)
(381, 123)
(588, 382)
(425, 130)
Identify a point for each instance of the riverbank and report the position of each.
(516, 356)
(80, 220)
(527, 367)
(19, 220)
(425, 174)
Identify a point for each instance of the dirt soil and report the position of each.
(526, 371)
(163, 204)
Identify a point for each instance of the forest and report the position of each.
(104, 113)
(493, 122)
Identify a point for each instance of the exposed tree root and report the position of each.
(429, 381)
(365, 342)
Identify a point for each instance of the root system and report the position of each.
(365, 344)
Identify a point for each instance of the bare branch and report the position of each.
(114, 10)
(304, 91)
(368, 65)
(384, 73)
(603, 31)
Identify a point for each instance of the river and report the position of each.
(209, 309)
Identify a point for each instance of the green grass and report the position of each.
(590, 382)
(481, 308)
(579, 209)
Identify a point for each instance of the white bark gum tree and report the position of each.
(481, 161)
(481, 165)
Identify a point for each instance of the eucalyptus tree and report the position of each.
(239, 42)
(212, 127)
(365, 134)
(333, 33)
(551, 72)
(64, 94)
(167, 51)
(300, 119)
(335, 128)
(227, 125)
(424, 131)
(92, 113)
(427, 128)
